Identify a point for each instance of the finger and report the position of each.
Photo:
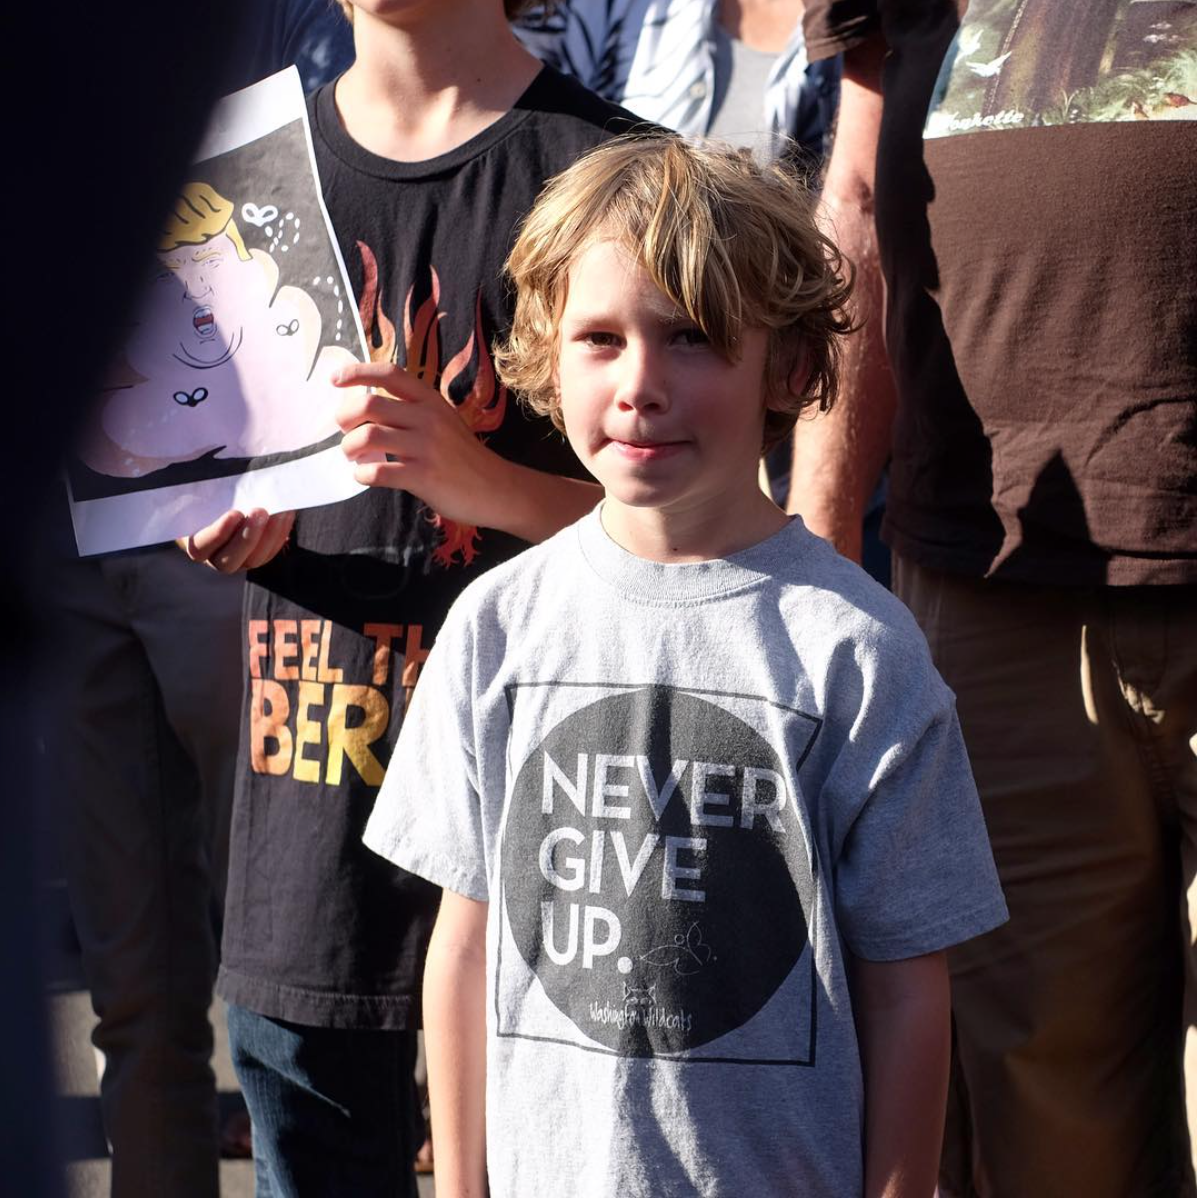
(397, 475)
(375, 440)
(200, 546)
(231, 557)
(385, 376)
(391, 381)
(272, 539)
(367, 407)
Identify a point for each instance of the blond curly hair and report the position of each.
(730, 241)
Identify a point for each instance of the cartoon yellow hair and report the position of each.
(199, 214)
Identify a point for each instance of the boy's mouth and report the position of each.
(646, 451)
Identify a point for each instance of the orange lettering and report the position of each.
(326, 672)
(355, 742)
(308, 731)
(268, 721)
(258, 646)
(414, 656)
(384, 634)
(310, 630)
(285, 650)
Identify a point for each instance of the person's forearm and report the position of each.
(838, 456)
(902, 1015)
(455, 1049)
(533, 505)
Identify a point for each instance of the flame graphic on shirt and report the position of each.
(483, 407)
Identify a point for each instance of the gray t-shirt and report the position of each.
(740, 76)
(686, 791)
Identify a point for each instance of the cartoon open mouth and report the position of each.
(204, 322)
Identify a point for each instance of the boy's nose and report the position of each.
(643, 381)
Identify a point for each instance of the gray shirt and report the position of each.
(687, 792)
(740, 76)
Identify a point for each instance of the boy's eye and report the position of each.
(692, 335)
(600, 340)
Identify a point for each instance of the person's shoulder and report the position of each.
(836, 26)
(504, 597)
(833, 598)
(557, 101)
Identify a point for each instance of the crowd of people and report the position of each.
(708, 865)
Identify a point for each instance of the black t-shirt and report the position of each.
(1036, 209)
(318, 929)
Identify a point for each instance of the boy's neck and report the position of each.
(430, 78)
(692, 536)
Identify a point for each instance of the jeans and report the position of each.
(335, 1110)
(142, 739)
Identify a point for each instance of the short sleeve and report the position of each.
(916, 874)
(427, 817)
(835, 26)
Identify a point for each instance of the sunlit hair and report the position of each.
(199, 213)
(512, 8)
(730, 241)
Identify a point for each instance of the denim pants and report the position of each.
(335, 1110)
(141, 736)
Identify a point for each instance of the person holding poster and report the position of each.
(142, 739)
(430, 150)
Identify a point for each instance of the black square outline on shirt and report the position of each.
(510, 692)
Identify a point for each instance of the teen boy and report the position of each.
(697, 798)
(431, 148)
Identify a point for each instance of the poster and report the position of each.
(221, 396)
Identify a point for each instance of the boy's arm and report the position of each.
(439, 459)
(454, 1001)
(435, 457)
(902, 1014)
(838, 456)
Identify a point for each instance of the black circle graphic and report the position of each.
(651, 864)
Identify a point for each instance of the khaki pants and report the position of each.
(1079, 712)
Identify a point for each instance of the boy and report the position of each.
(697, 798)
(431, 148)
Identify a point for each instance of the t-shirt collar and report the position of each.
(682, 582)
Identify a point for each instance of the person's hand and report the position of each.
(407, 436)
(239, 542)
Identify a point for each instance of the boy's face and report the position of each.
(653, 411)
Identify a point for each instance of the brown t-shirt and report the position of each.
(1036, 209)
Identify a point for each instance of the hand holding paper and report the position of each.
(236, 542)
(431, 452)
(220, 401)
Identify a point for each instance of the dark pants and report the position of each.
(335, 1110)
(142, 738)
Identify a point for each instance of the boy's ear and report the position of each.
(796, 384)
